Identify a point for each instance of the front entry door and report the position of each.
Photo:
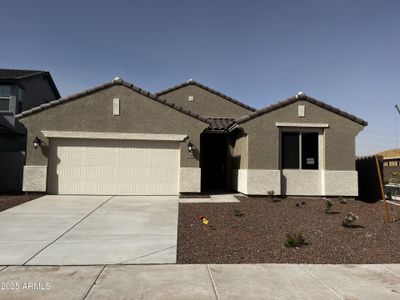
(213, 164)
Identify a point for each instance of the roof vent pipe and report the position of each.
(299, 94)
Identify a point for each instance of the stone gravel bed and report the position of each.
(254, 231)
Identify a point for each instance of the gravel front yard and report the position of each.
(10, 200)
(254, 231)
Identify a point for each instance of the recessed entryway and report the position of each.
(213, 161)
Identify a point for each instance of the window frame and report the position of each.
(7, 98)
(9, 104)
(300, 130)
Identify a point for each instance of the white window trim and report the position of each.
(302, 125)
(321, 147)
(114, 136)
(301, 151)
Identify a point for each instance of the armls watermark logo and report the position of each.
(34, 286)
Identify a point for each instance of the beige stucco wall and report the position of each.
(260, 171)
(94, 113)
(238, 145)
(205, 103)
(263, 136)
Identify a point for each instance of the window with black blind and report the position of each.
(300, 150)
(290, 150)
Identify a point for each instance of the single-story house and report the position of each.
(119, 139)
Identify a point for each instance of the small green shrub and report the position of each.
(328, 206)
(271, 195)
(294, 240)
(238, 213)
(349, 220)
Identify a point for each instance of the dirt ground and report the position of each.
(10, 200)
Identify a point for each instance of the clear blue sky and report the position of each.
(344, 52)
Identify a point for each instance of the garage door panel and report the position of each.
(113, 167)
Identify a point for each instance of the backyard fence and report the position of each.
(369, 178)
(11, 167)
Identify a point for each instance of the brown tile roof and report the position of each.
(193, 82)
(114, 82)
(220, 124)
(392, 153)
(300, 97)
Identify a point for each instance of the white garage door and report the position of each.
(113, 167)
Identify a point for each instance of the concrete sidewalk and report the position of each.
(218, 198)
(258, 281)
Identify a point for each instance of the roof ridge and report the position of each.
(204, 87)
(300, 97)
(100, 87)
(33, 72)
(25, 70)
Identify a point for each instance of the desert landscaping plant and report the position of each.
(328, 206)
(271, 195)
(294, 240)
(349, 220)
(238, 213)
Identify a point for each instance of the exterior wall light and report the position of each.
(37, 142)
(190, 146)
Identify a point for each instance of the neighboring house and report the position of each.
(119, 139)
(391, 165)
(20, 90)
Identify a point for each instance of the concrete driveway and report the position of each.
(89, 230)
